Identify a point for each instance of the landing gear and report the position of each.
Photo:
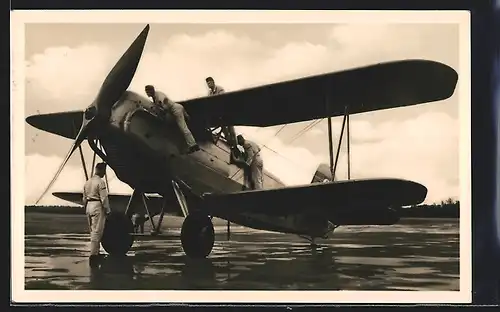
(197, 235)
(117, 238)
(136, 195)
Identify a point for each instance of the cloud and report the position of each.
(39, 171)
(359, 44)
(421, 148)
(63, 78)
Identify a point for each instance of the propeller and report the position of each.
(116, 82)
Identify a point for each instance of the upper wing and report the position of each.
(381, 86)
(65, 124)
(349, 200)
(120, 202)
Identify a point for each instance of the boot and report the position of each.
(193, 149)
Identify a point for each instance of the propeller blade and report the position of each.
(112, 88)
(121, 75)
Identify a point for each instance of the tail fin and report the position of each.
(322, 173)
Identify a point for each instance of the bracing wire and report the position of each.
(303, 131)
(295, 137)
(260, 148)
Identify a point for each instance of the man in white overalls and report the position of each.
(179, 114)
(253, 163)
(96, 201)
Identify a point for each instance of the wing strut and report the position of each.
(333, 164)
(340, 142)
(348, 147)
(330, 145)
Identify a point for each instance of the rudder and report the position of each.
(322, 173)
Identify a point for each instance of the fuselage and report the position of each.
(146, 152)
(136, 140)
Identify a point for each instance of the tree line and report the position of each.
(448, 208)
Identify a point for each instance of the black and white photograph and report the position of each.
(265, 152)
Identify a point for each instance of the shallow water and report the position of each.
(417, 255)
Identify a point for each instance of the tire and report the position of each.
(197, 236)
(117, 238)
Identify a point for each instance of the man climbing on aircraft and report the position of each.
(178, 112)
(95, 199)
(229, 132)
(253, 163)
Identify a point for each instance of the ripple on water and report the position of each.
(374, 258)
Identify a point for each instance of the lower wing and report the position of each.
(369, 201)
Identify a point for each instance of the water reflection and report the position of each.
(114, 272)
(410, 260)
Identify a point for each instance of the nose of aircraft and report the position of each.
(115, 83)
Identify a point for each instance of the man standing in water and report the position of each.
(96, 201)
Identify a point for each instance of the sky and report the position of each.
(66, 64)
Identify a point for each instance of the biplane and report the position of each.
(145, 152)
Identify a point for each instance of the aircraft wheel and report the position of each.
(197, 236)
(117, 238)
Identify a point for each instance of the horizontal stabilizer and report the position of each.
(364, 89)
(339, 199)
(119, 202)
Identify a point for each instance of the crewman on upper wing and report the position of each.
(213, 89)
(229, 132)
(95, 199)
(178, 112)
(253, 162)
